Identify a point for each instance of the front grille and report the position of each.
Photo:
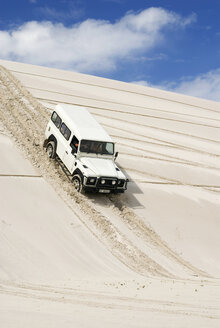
(108, 183)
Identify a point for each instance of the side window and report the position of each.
(74, 144)
(56, 119)
(65, 131)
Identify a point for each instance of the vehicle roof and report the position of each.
(82, 123)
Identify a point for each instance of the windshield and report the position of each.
(97, 147)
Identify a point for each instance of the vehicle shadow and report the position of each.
(127, 199)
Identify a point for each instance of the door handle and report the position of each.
(67, 152)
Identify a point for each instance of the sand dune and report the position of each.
(150, 255)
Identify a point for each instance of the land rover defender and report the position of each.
(85, 149)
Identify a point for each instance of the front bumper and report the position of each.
(103, 184)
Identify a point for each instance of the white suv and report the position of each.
(78, 141)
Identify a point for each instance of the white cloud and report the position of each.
(145, 84)
(92, 45)
(203, 86)
(72, 12)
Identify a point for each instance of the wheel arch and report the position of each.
(51, 138)
(77, 171)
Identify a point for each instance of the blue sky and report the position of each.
(169, 44)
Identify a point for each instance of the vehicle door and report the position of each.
(65, 150)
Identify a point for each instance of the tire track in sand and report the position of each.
(26, 120)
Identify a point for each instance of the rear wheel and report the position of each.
(77, 183)
(51, 149)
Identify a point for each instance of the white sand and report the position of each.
(148, 258)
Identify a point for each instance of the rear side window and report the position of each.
(56, 119)
(65, 131)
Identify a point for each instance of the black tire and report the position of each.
(77, 182)
(51, 149)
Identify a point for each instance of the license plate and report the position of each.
(104, 191)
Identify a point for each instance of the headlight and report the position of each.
(103, 181)
(113, 182)
(91, 181)
(121, 183)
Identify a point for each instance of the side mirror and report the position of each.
(116, 155)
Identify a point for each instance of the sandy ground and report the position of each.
(148, 258)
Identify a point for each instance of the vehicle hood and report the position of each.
(102, 167)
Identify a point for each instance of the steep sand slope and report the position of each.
(166, 225)
(169, 147)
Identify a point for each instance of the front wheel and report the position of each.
(51, 149)
(77, 183)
